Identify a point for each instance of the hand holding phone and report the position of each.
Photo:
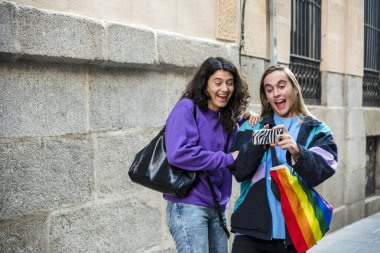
(265, 136)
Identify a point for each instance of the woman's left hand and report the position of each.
(285, 141)
(254, 118)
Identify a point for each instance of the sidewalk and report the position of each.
(362, 236)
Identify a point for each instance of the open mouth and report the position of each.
(280, 103)
(222, 96)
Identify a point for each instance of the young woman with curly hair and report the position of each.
(220, 96)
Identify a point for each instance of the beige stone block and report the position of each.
(354, 55)
(371, 116)
(332, 41)
(113, 226)
(227, 17)
(336, 13)
(342, 36)
(354, 90)
(256, 29)
(184, 51)
(333, 188)
(113, 157)
(372, 205)
(154, 200)
(355, 19)
(41, 100)
(334, 60)
(24, 235)
(128, 44)
(355, 127)
(335, 119)
(355, 154)
(156, 14)
(57, 37)
(197, 18)
(233, 53)
(56, 5)
(332, 89)
(38, 175)
(252, 69)
(176, 85)
(114, 92)
(320, 112)
(354, 186)
(283, 30)
(355, 211)
(339, 218)
(354, 29)
(115, 10)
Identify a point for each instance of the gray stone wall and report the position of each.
(78, 99)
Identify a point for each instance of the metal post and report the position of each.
(273, 31)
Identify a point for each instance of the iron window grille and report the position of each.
(370, 175)
(371, 78)
(305, 52)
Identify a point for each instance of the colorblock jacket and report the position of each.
(317, 162)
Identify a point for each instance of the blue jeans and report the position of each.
(196, 229)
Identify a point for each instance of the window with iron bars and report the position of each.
(371, 78)
(371, 186)
(305, 52)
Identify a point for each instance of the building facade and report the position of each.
(85, 84)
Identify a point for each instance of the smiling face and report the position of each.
(280, 93)
(220, 87)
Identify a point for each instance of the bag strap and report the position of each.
(273, 185)
(217, 206)
(273, 153)
(215, 198)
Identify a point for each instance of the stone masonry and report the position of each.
(79, 97)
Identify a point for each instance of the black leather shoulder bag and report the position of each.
(151, 169)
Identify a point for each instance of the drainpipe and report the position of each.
(273, 31)
(242, 35)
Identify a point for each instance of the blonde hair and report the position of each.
(298, 108)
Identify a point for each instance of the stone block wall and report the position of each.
(79, 97)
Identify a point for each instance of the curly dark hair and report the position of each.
(196, 90)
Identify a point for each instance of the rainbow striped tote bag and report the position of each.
(307, 215)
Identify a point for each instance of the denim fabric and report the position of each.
(196, 229)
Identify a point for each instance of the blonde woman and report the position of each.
(306, 147)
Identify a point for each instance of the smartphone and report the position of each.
(265, 136)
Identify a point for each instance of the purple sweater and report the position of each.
(198, 145)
